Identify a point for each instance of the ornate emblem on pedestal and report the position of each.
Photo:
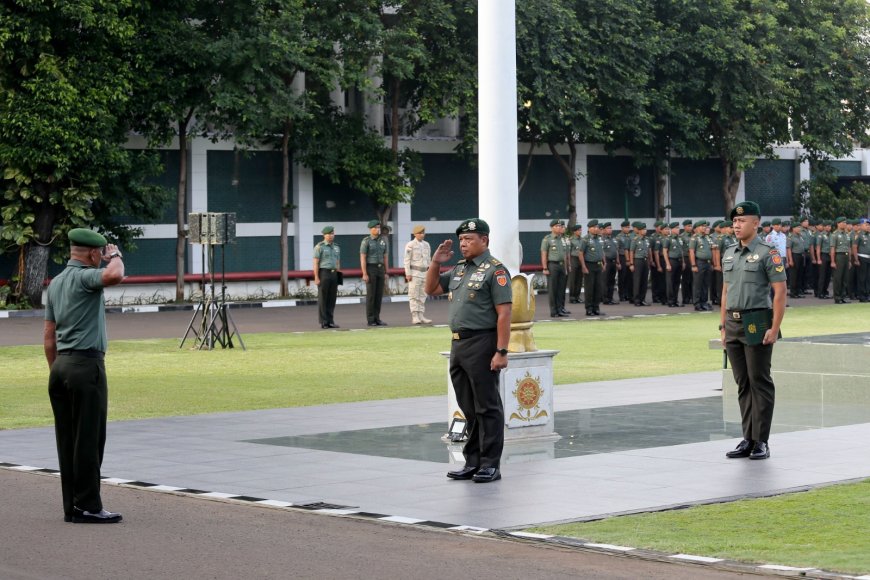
(528, 394)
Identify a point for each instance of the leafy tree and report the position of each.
(825, 197)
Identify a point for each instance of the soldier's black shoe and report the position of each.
(743, 449)
(373, 323)
(599, 313)
(845, 301)
(760, 451)
(590, 313)
(333, 325)
(555, 315)
(564, 312)
(324, 326)
(100, 517)
(486, 474)
(382, 323)
(574, 301)
(466, 472)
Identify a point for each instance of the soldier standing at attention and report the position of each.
(795, 247)
(840, 249)
(479, 291)
(638, 263)
(686, 282)
(823, 257)
(327, 261)
(418, 254)
(575, 276)
(591, 256)
(749, 326)
(700, 257)
(374, 261)
(554, 260)
(672, 254)
(808, 280)
(656, 265)
(611, 261)
(861, 249)
(75, 343)
(852, 284)
(623, 245)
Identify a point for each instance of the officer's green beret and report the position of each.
(418, 229)
(556, 222)
(85, 237)
(635, 224)
(765, 224)
(576, 227)
(674, 225)
(328, 230)
(624, 224)
(605, 225)
(727, 224)
(658, 223)
(592, 224)
(700, 223)
(745, 208)
(775, 222)
(687, 222)
(473, 226)
(640, 225)
(717, 223)
(374, 224)
(839, 219)
(786, 223)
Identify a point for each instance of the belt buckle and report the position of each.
(456, 336)
(735, 315)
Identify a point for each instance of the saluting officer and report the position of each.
(591, 254)
(749, 325)
(638, 263)
(327, 261)
(374, 260)
(75, 343)
(479, 292)
(611, 261)
(700, 257)
(554, 260)
(840, 250)
(418, 254)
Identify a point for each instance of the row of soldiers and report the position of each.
(681, 262)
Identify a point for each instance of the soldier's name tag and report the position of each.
(755, 324)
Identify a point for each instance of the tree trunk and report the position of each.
(285, 205)
(181, 208)
(568, 169)
(731, 175)
(33, 263)
(525, 176)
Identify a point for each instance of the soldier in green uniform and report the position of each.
(686, 281)
(75, 343)
(479, 315)
(700, 259)
(374, 260)
(623, 245)
(749, 325)
(840, 250)
(611, 261)
(795, 249)
(638, 263)
(852, 279)
(808, 280)
(555, 248)
(672, 253)
(823, 257)
(327, 261)
(656, 265)
(591, 254)
(861, 253)
(575, 276)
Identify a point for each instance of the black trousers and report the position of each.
(750, 366)
(477, 394)
(556, 283)
(864, 278)
(327, 293)
(701, 282)
(841, 276)
(824, 275)
(809, 280)
(374, 292)
(673, 279)
(641, 279)
(575, 279)
(659, 286)
(625, 280)
(594, 283)
(718, 282)
(686, 282)
(610, 273)
(79, 400)
(797, 275)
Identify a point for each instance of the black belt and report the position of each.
(378, 264)
(90, 353)
(702, 259)
(328, 269)
(463, 334)
(738, 314)
(555, 262)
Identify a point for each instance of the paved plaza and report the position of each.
(626, 446)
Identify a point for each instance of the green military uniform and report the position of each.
(809, 273)
(474, 288)
(672, 248)
(658, 284)
(575, 276)
(861, 244)
(823, 279)
(77, 385)
(640, 251)
(591, 252)
(749, 272)
(797, 244)
(624, 281)
(556, 248)
(686, 282)
(840, 246)
(328, 255)
(702, 269)
(611, 260)
(374, 250)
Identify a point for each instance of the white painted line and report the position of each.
(784, 568)
(24, 468)
(4, 314)
(116, 480)
(469, 529)
(692, 558)
(401, 520)
(610, 547)
(348, 300)
(337, 512)
(400, 299)
(125, 309)
(274, 502)
(278, 303)
(165, 488)
(531, 535)
(219, 495)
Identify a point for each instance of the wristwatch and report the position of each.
(114, 255)
(502, 351)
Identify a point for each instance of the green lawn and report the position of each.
(152, 378)
(827, 528)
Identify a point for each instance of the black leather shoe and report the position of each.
(555, 315)
(333, 325)
(743, 449)
(324, 326)
(573, 301)
(486, 474)
(101, 517)
(599, 313)
(760, 451)
(466, 472)
(381, 323)
(373, 323)
(564, 312)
